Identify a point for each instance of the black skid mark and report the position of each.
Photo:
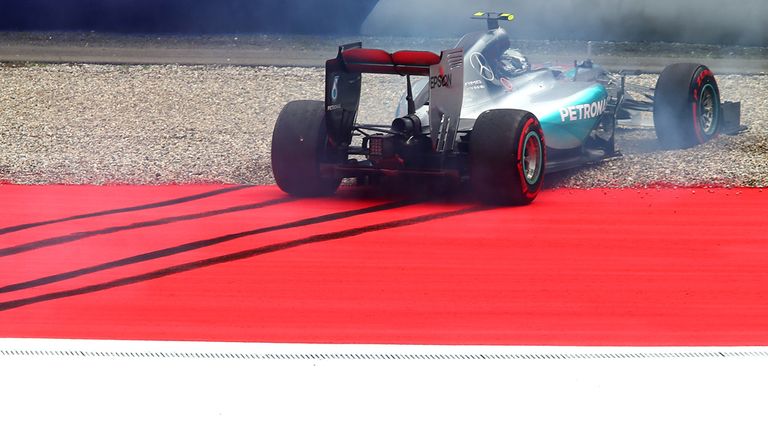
(125, 209)
(53, 241)
(235, 257)
(175, 250)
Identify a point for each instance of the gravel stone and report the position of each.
(159, 124)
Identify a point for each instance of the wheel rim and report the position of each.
(708, 110)
(532, 158)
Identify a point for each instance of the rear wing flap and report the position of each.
(343, 87)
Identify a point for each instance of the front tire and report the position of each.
(686, 108)
(299, 146)
(507, 157)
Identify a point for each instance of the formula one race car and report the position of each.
(484, 115)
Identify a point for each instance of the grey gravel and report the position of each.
(97, 124)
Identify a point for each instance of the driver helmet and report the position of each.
(513, 62)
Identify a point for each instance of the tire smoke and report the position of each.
(696, 21)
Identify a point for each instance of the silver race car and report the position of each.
(484, 115)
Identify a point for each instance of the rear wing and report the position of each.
(343, 87)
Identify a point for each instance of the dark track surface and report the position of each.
(306, 51)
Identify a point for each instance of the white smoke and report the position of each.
(706, 21)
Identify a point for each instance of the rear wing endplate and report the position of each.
(446, 94)
(446, 87)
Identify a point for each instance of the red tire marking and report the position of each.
(699, 82)
(696, 125)
(520, 148)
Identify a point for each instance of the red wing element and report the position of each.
(416, 58)
(415, 62)
(380, 61)
(368, 60)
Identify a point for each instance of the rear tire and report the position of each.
(686, 108)
(507, 157)
(299, 146)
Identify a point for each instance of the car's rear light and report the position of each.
(376, 146)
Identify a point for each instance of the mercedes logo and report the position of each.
(480, 64)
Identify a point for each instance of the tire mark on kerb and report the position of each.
(158, 204)
(174, 250)
(68, 238)
(222, 259)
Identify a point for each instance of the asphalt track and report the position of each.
(600, 267)
(287, 50)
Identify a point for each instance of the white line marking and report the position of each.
(137, 385)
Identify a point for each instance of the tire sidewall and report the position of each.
(702, 80)
(299, 146)
(531, 128)
(497, 150)
(677, 103)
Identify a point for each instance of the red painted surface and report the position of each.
(577, 267)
